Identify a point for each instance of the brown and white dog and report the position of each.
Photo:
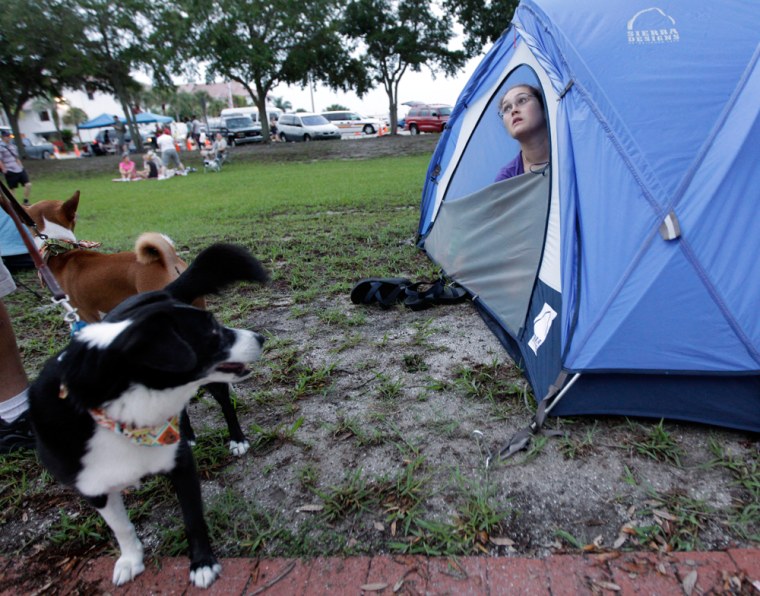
(98, 282)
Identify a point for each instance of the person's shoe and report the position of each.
(26, 202)
(16, 435)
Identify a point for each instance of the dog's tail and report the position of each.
(214, 268)
(151, 247)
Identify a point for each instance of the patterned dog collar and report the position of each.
(147, 436)
(52, 247)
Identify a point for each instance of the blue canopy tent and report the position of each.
(625, 278)
(100, 122)
(105, 120)
(148, 118)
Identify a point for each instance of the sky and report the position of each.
(414, 86)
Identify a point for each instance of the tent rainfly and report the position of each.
(624, 279)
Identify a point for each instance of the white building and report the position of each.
(38, 124)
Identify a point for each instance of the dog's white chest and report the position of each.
(113, 462)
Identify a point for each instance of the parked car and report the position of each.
(351, 122)
(38, 150)
(303, 126)
(237, 129)
(427, 118)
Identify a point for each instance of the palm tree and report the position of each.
(282, 104)
(75, 117)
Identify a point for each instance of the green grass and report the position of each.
(657, 443)
(248, 201)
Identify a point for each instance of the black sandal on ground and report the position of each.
(436, 293)
(385, 291)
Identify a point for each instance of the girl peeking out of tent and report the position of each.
(522, 113)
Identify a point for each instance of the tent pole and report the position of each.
(522, 438)
(562, 393)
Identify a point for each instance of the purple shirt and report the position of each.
(512, 169)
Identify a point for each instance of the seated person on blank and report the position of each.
(217, 151)
(153, 167)
(219, 147)
(127, 168)
(522, 113)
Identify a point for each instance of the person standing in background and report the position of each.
(11, 166)
(120, 130)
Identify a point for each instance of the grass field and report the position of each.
(223, 206)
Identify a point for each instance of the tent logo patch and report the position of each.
(541, 326)
(652, 26)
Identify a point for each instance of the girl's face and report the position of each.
(522, 113)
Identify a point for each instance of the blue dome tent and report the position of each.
(625, 278)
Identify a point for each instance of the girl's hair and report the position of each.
(535, 91)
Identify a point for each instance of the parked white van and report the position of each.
(303, 126)
(352, 122)
(251, 111)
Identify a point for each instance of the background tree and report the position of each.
(155, 99)
(282, 104)
(262, 43)
(74, 117)
(482, 20)
(117, 35)
(208, 106)
(396, 36)
(336, 107)
(34, 61)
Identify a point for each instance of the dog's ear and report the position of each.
(154, 343)
(70, 207)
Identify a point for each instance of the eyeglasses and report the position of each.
(520, 100)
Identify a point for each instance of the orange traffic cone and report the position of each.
(380, 130)
(55, 151)
(189, 144)
(77, 152)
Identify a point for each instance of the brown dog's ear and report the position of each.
(70, 208)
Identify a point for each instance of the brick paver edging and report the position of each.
(733, 571)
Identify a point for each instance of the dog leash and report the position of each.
(21, 219)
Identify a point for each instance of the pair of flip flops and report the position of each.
(385, 291)
(389, 291)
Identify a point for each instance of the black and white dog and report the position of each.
(106, 410)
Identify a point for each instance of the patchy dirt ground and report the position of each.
(370, 430)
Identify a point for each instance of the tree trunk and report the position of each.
(134, 132)
(263, 116)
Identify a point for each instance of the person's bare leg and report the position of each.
(15, 429)
(11, 369)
